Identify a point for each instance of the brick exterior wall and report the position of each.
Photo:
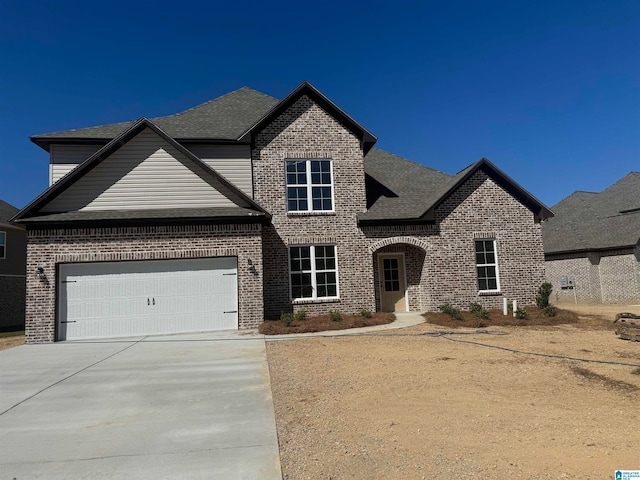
(480, 208)
(306, 131)
(599, 277)
(47, 248)
(12, 301)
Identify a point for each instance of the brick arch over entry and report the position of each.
(395, 240)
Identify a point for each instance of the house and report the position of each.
(245, 207)
(13, 260)
(592, 245)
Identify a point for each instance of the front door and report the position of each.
(392, 284)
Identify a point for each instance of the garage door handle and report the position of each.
(72, 321)
(229, 274)
(232, 311)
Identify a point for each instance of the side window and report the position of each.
(3, 244)
(313, 271)
(309, 185)
(487, 266)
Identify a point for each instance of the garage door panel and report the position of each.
(98, 300)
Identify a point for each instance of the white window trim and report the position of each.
(4, 250)
(314, 298)
(309, 187)
(495, 264)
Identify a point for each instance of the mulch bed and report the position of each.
(323, 323)
(535, 316)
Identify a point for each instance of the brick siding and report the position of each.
(446, 273)
(306, 131)
(47, 248)
(599, 277)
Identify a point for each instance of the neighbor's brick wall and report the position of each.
(305, 130)
(47, 248)
(607, 277)
(480, 208)
(12, 301)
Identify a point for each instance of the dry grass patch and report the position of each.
(11, 339)
(323, 323)
(605, 381)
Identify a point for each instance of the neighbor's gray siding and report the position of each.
(64, 158)
(146, 173)
(231, 161)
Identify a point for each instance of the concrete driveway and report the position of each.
(187, 406)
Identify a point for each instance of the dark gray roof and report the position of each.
(6, 211)
(415, 191)
(156, 214)
(224, 118)
(596, 221)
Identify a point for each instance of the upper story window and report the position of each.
(487, 266)
(309, 186)
(3, 244)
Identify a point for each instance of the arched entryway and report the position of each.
(398, 266)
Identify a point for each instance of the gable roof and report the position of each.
(305, 88)
(589, 221)
(420, 190)
(222, 119)
(223, 185)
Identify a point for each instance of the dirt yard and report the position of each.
(404, 405)
(11, 341)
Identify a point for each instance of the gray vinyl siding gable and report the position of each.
(64, 158)
(145, 173)
(231, 161)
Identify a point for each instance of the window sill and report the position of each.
(487, 293)
(305, 301)
(311, 213)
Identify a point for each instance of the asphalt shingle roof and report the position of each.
(223, 118)
(6, 211)
(596, 221)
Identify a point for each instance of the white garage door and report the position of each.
(117, 299)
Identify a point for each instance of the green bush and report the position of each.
(335, 315)
(550, 311)
(366, 313)
(479, 311)
(286, 318)
(300, 315)
(544, 292)
(521, 313)
(451, 311)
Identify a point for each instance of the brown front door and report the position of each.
(392, 285)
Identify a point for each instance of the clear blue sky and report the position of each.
(548, 90)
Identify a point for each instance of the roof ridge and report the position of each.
(411, 161)
(215, 100)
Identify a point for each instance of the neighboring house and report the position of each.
(592, 246)
(245, 207)
(13, 260)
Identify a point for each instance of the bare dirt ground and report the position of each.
(404, 405)
(9, 342)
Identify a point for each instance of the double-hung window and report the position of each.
(314, 272)
(309, 186)
(3, 244)
(487, 266)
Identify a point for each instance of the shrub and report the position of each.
(366, 313)
(335, 315)
(479, 311)
(550, 311)
(521, 313)
(300, 315)
(286, 318)
(451, 311)
(544, 292)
